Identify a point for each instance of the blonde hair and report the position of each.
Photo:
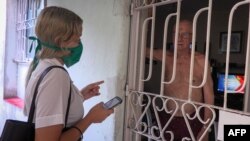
(54, 25)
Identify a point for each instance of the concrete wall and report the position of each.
(2, 49)
(105, 39)
(10, 66)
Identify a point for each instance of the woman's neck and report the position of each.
(60, 60)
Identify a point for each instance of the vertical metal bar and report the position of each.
(135, 63)
(143, 42)
(152, 39)
(209, 9)
(228, 48)
(135, 21)
(175, 44)
(136, 46)
(193, 52)
(143, 49)
(176, 40)
(247, 90)
(165, 36)
(207, 43)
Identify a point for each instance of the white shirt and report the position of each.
(52, 96)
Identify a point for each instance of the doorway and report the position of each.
(150, 21)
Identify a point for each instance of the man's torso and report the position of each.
(179, 88)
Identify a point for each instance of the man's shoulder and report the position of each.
(199, 57)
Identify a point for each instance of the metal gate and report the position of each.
(142, 106)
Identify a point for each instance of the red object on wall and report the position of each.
(18, 102)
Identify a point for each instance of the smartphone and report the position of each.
(112, 103)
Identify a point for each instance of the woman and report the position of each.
(58, 33)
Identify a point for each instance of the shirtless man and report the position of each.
(180, 86)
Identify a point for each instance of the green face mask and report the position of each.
(74, 56)
(71, 59)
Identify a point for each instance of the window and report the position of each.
(27, 12)
(20, 22)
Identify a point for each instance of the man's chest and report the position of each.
(182, 71)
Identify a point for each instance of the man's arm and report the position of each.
(208, 90)
(208, 94)
(157, 54)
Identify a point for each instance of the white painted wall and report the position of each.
(10, 66)
(2, 47)
(2, 42)
(105, 39)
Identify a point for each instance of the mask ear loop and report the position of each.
(38, 48)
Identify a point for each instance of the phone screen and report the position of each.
(113, 102)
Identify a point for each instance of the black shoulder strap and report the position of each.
(68, 106)
(32, 109)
